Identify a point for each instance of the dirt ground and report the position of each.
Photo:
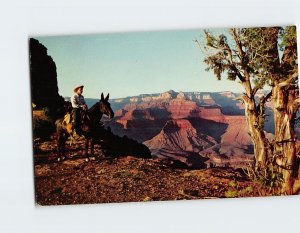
(77, 180)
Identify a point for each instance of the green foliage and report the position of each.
(217, 62)
(231, 193)
(223, 57)
(269, 177)
(289, 59)
(263, 46)
(231, 75)
(259, 82)
(287, 37)
(236, 191)
(232, 184)
(210, 40)
(251, 50)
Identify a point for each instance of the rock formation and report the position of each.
(179, 140)
(189, 127)
(44, 89)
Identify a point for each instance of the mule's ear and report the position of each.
(107, 97)
(102, 96)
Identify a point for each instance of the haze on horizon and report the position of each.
(129, 64)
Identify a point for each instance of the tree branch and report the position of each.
(238, 43)
(289, 81)
(238, 73)
(254, 90)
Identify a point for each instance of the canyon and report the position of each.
(200, 129)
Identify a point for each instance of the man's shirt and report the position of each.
(77, 101)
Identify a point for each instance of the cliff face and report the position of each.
(44, 90)
(179, 140)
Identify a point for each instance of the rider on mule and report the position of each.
(78, 105)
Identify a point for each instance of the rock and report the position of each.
(44, 89)
(188, 126)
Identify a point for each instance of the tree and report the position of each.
(252, 56)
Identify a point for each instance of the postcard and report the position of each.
(165, 115)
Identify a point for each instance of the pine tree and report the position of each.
(256, 58)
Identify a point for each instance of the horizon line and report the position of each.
(156, 93)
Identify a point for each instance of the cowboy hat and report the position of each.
(77, 87)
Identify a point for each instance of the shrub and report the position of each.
(268, 177)
(42, 124)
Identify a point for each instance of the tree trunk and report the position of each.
(285, 137)
(260, 142)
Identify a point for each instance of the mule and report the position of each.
(90, 124)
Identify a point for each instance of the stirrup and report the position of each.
(72, 140)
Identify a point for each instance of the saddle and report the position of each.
(68, 118)
(68, 122)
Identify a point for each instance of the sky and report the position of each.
(133, 63)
